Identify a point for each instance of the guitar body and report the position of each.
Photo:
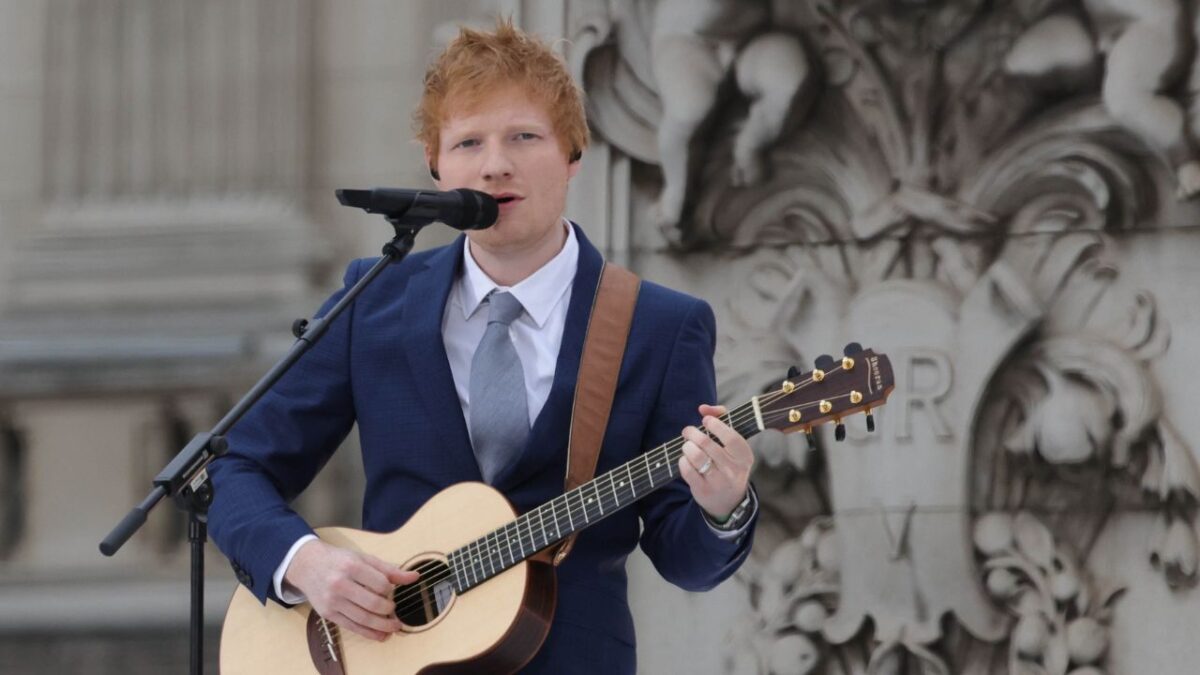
(496, 627)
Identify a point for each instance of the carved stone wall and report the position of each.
(997, 195)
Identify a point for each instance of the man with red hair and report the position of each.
(500, 114)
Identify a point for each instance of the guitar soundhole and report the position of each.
(421, 603)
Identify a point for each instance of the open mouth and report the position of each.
(506, 199)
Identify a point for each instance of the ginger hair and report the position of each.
(478, 63)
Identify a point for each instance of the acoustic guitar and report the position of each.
(485, 597)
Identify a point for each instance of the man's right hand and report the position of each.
(353, 590)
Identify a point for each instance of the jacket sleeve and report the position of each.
(277, 449)
(675, 536)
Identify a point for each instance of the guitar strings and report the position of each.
(410, 593)
(409, 597)
(491, 547)
(488, 551)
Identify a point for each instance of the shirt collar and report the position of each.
(538, 293)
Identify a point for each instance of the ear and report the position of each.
(573, 163)
(433, 172)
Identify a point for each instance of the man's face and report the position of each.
(506, 146)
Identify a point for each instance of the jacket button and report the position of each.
(242, 575)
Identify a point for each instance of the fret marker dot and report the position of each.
(621, 484)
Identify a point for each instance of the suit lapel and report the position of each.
(553, 422)
(424, 304)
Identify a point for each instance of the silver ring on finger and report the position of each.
(705, 467)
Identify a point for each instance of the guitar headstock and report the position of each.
(834, 389)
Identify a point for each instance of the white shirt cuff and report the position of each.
(277, 578)
(747, 519)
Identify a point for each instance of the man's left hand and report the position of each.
(717, 471)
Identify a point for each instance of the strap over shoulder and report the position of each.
(603, 349)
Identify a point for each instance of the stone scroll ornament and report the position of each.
(948, 177)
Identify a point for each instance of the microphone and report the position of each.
(461, 209)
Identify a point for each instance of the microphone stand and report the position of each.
(185, 478)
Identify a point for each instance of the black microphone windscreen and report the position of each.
(479, 209)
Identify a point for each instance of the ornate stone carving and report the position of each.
(913, 99)
(1061, 618)
(1143, 46)
(935, 205)
(694, 47)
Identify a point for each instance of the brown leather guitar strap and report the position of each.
(603, 348)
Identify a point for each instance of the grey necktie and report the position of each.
(497, 405)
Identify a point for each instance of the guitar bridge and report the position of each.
(324, 648)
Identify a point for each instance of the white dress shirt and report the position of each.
(536, 335)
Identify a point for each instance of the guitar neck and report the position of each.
(581, 508)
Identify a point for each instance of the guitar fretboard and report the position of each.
(580, 508)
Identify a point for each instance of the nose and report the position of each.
(496, 163)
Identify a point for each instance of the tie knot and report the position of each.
(503, 308)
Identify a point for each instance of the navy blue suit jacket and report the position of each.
(383, 365)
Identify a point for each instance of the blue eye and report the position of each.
(527, 135)
(467, 143)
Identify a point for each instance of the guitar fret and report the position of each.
(493, 552)
(554, 512)
(478, 561)
(629, 472)
(458, 585)
(508, 540)
(481, 549)
(521, 552)
(480, 552)
(481, 559)
(583, 503)
(596, 492)
(542, 527)
(470, 561)
(649, 473)
(529, 529)
(462, 561)
(570, 519)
